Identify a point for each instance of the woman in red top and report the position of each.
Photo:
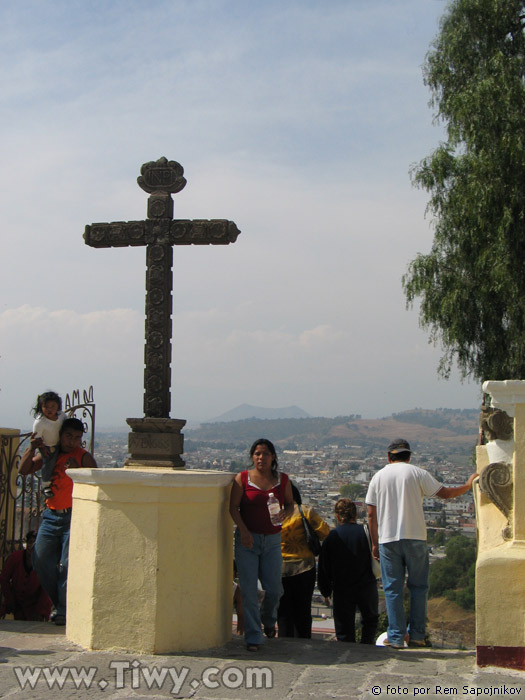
(257, 541)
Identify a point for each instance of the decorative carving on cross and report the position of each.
(159, 233)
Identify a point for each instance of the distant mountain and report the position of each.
(245, 411)
(441, 431)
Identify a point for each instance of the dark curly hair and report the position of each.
(41, 399)
(345, 510)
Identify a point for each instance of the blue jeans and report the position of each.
(262, 562)
(51, 556)
(396, 558)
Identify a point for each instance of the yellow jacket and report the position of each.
(293, 539)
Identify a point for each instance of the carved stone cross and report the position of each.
(159, 233)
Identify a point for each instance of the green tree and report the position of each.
(454, 576)
(471, 285)
(443, 577)
(353, 491)
(436, 537)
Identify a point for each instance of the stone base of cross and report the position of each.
(156, 440)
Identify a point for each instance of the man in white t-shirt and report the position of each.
(399, 538)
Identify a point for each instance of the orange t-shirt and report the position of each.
(61, 483)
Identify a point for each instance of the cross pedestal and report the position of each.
(500, 510)
(155, 442)
(150, 560)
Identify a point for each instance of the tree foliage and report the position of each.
(353, 491)
(471, 285)
(454, 576)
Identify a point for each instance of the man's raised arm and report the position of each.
(455, 491)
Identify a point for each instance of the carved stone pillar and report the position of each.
(157, 350)
(500, 507)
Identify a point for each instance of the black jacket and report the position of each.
(344, 562)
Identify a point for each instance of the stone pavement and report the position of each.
(37, 661)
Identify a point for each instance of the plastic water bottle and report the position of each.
(274, 508)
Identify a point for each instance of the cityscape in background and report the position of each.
(327, 458)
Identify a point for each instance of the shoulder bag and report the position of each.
(312, 539)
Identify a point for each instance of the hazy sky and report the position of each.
(297, 119)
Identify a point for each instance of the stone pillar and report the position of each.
(500, 506)
(9, 441)
(150, 560)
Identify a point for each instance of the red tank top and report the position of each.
(254, 504)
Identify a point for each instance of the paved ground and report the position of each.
(37, 661)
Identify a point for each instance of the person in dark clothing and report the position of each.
(22, 592)
(294, 616)
(345, 573)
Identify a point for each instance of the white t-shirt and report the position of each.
(397, 492)
(49, 430)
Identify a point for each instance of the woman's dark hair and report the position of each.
(345, 509)
(296, 494)
(41, 399)
(270, 446)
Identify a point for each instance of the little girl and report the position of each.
(49, 418)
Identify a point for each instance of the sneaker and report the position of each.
(59, 620)
(270, 632)
(417, 643)
(386, 643)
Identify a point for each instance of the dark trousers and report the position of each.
(345, 604)
(294, 616)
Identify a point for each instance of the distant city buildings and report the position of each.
(320, 475)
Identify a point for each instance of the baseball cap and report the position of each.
(398, 445)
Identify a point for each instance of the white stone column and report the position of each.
(150, 560)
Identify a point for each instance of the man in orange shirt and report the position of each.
(51, 552)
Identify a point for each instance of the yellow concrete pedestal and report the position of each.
(150, 560)
(500, 621)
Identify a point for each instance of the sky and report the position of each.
(299, 120)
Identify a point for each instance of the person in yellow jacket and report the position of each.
(294, 617)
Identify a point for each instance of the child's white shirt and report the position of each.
(49, 430)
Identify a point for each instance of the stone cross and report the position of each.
(159, 233)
